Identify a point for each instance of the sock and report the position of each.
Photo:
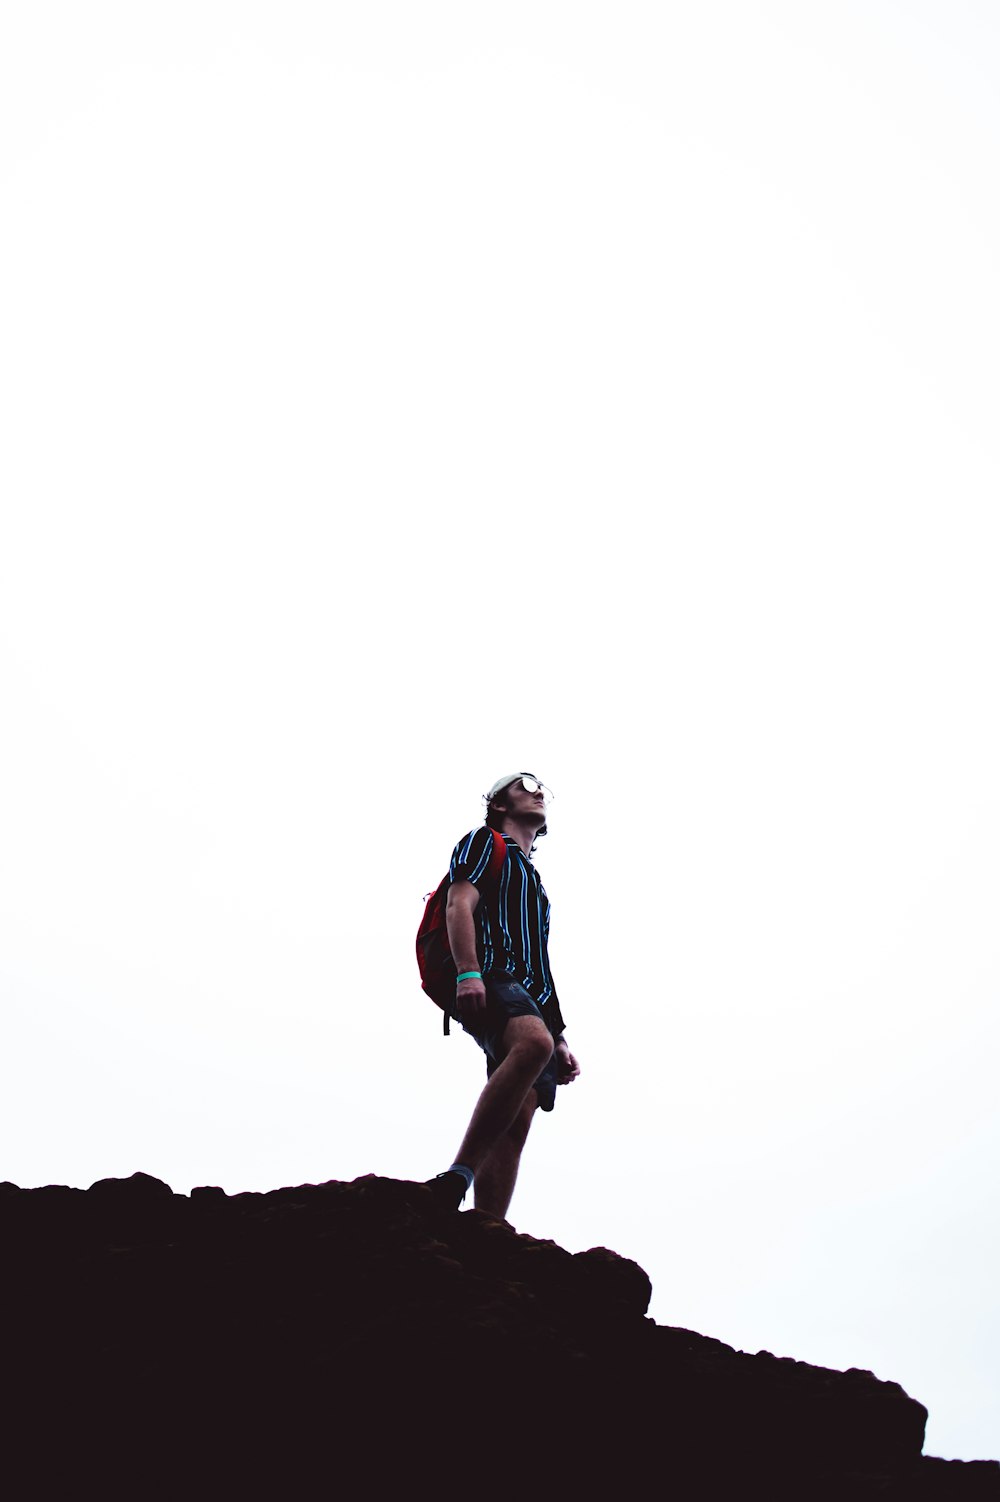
(466, 1173)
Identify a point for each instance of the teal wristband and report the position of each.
(470, 975)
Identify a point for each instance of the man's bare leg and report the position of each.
(496, 1178)
(528, 1047)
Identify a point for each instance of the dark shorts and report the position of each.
(506, 998)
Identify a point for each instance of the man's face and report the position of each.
(522, 804)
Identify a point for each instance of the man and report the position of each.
(498, 935)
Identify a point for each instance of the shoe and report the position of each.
(448, 1190)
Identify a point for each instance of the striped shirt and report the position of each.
(511, 918)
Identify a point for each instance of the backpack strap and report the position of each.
(497, 857)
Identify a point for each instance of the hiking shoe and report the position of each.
(448, 1190)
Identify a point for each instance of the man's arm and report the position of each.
(463, 899)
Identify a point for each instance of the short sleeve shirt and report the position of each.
(512, 918)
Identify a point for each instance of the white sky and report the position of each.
(398, 394)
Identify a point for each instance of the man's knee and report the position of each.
(530, 1040)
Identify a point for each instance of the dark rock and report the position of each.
(352, 1338)
(138, 1188)
(622, 1284)
(208, 1194)
(130, 1211)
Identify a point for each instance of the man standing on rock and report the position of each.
(498, 927)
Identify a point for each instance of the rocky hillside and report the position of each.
(345, 1339)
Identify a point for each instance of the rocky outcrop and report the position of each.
(338, 1339)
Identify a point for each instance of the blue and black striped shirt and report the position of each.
(512, 918)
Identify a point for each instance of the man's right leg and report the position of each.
(527, 1045)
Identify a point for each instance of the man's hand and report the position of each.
(567, 1069)
(470, 999)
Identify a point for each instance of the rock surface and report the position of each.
(338, 1338)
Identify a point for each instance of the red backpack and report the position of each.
(437, 968)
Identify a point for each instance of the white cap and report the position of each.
(505, 782)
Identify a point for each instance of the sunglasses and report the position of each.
(532, 785)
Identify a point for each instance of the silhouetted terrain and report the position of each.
(345, 1339)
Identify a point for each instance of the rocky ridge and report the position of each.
(339, 1337)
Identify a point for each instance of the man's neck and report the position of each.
(523, 831)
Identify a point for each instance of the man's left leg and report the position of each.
(498, 1174)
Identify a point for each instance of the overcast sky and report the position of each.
(397, 395)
